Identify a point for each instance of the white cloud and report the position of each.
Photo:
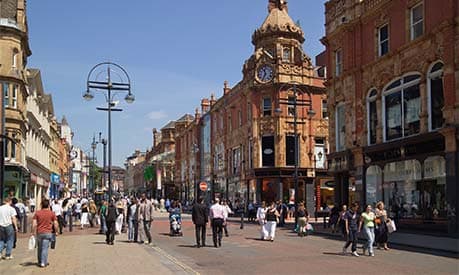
(156, 115)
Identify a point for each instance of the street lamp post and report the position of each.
(107, 85)
(293, 86)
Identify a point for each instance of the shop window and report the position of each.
(340, 131)
(338, 62)
(417, 21)
(372, 116)
(290, 151)
(268, 151)
(267, 106)
(383, 40)
(373, 185)
(436, 98)
(402, 105)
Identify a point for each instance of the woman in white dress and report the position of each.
(261, 218)
(84, 215)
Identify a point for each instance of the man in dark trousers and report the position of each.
(199, 216)
(110, 217)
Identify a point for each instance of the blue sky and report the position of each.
(176, 52)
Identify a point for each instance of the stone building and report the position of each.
(14, 51)
(394, 102)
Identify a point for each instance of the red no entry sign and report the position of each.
(203, 186)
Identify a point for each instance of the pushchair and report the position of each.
(175, 220)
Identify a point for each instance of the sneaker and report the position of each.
(372, 254)
(146, 242)
(344, 251)
(355, 254)
(8, 257)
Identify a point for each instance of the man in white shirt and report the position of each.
(217, 217)
(8, 225)
(59, 212)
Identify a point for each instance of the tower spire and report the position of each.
(277, 4)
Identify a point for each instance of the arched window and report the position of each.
(436, 99)
(402, 105)
(372, 116)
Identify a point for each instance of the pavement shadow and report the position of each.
(164, 234)
(26, 264)
(255, 239)
(99, 243)
(187, 245)
(333, 254)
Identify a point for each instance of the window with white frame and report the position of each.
(436, 98)
(6, 92)
(15, 58)
(14, 96)
(417, 21)
(372, 116)
(324, 108)
(267, 106)
(383, 40)
(401, 106)
(286, 55)
(338, 62)
(340, 131)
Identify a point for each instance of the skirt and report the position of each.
(84, 218)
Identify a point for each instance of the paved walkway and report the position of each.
(88, 254)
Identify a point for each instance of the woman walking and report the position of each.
(341, 220)
(303, 219)
(272, 215)
(382, 233)
(84, 215)
(351, 220)
(367, 220)
(92, 212)
(261, 218)
(44, 223)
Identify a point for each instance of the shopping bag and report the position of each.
(309, 227)
(53, 242)
(391, 226)
(31, 242)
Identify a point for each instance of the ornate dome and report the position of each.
(278, 23)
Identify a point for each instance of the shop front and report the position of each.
(15, 181)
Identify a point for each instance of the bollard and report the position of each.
(70, 222)
(242, 220)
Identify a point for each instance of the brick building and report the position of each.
(244, 142)
(393, 99)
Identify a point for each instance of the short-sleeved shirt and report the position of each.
(45, 219)
(6, 215)
(352, 219)
(368, 219)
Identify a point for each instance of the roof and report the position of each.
(170, 125)
(278, 23)
(186, 117)
(64, 121)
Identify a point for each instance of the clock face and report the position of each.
(265, 73)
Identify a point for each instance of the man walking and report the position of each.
(8, 226)
(58, 211)
(351, 220)
(217, 217)
(110, 218)
(228, 211)
(199, 215)
(44, 223)
(132, 216)
(145, 219)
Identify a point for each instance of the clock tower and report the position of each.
(279, 55)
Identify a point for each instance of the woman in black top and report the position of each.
(302, 215)
(271, 221)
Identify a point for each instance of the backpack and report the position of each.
(112, 214)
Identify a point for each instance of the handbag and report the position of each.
(32, 242)
(378, 221)
(309, 227)
(391, 226)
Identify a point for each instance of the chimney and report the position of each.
(155, 137)
(212, 100)
(205, 105)
(197, 116)
(226, 89)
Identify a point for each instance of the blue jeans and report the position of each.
(7, 239)
(370, 232)
(132, 230)
(44, 240)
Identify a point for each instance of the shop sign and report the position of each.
(12, 176)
